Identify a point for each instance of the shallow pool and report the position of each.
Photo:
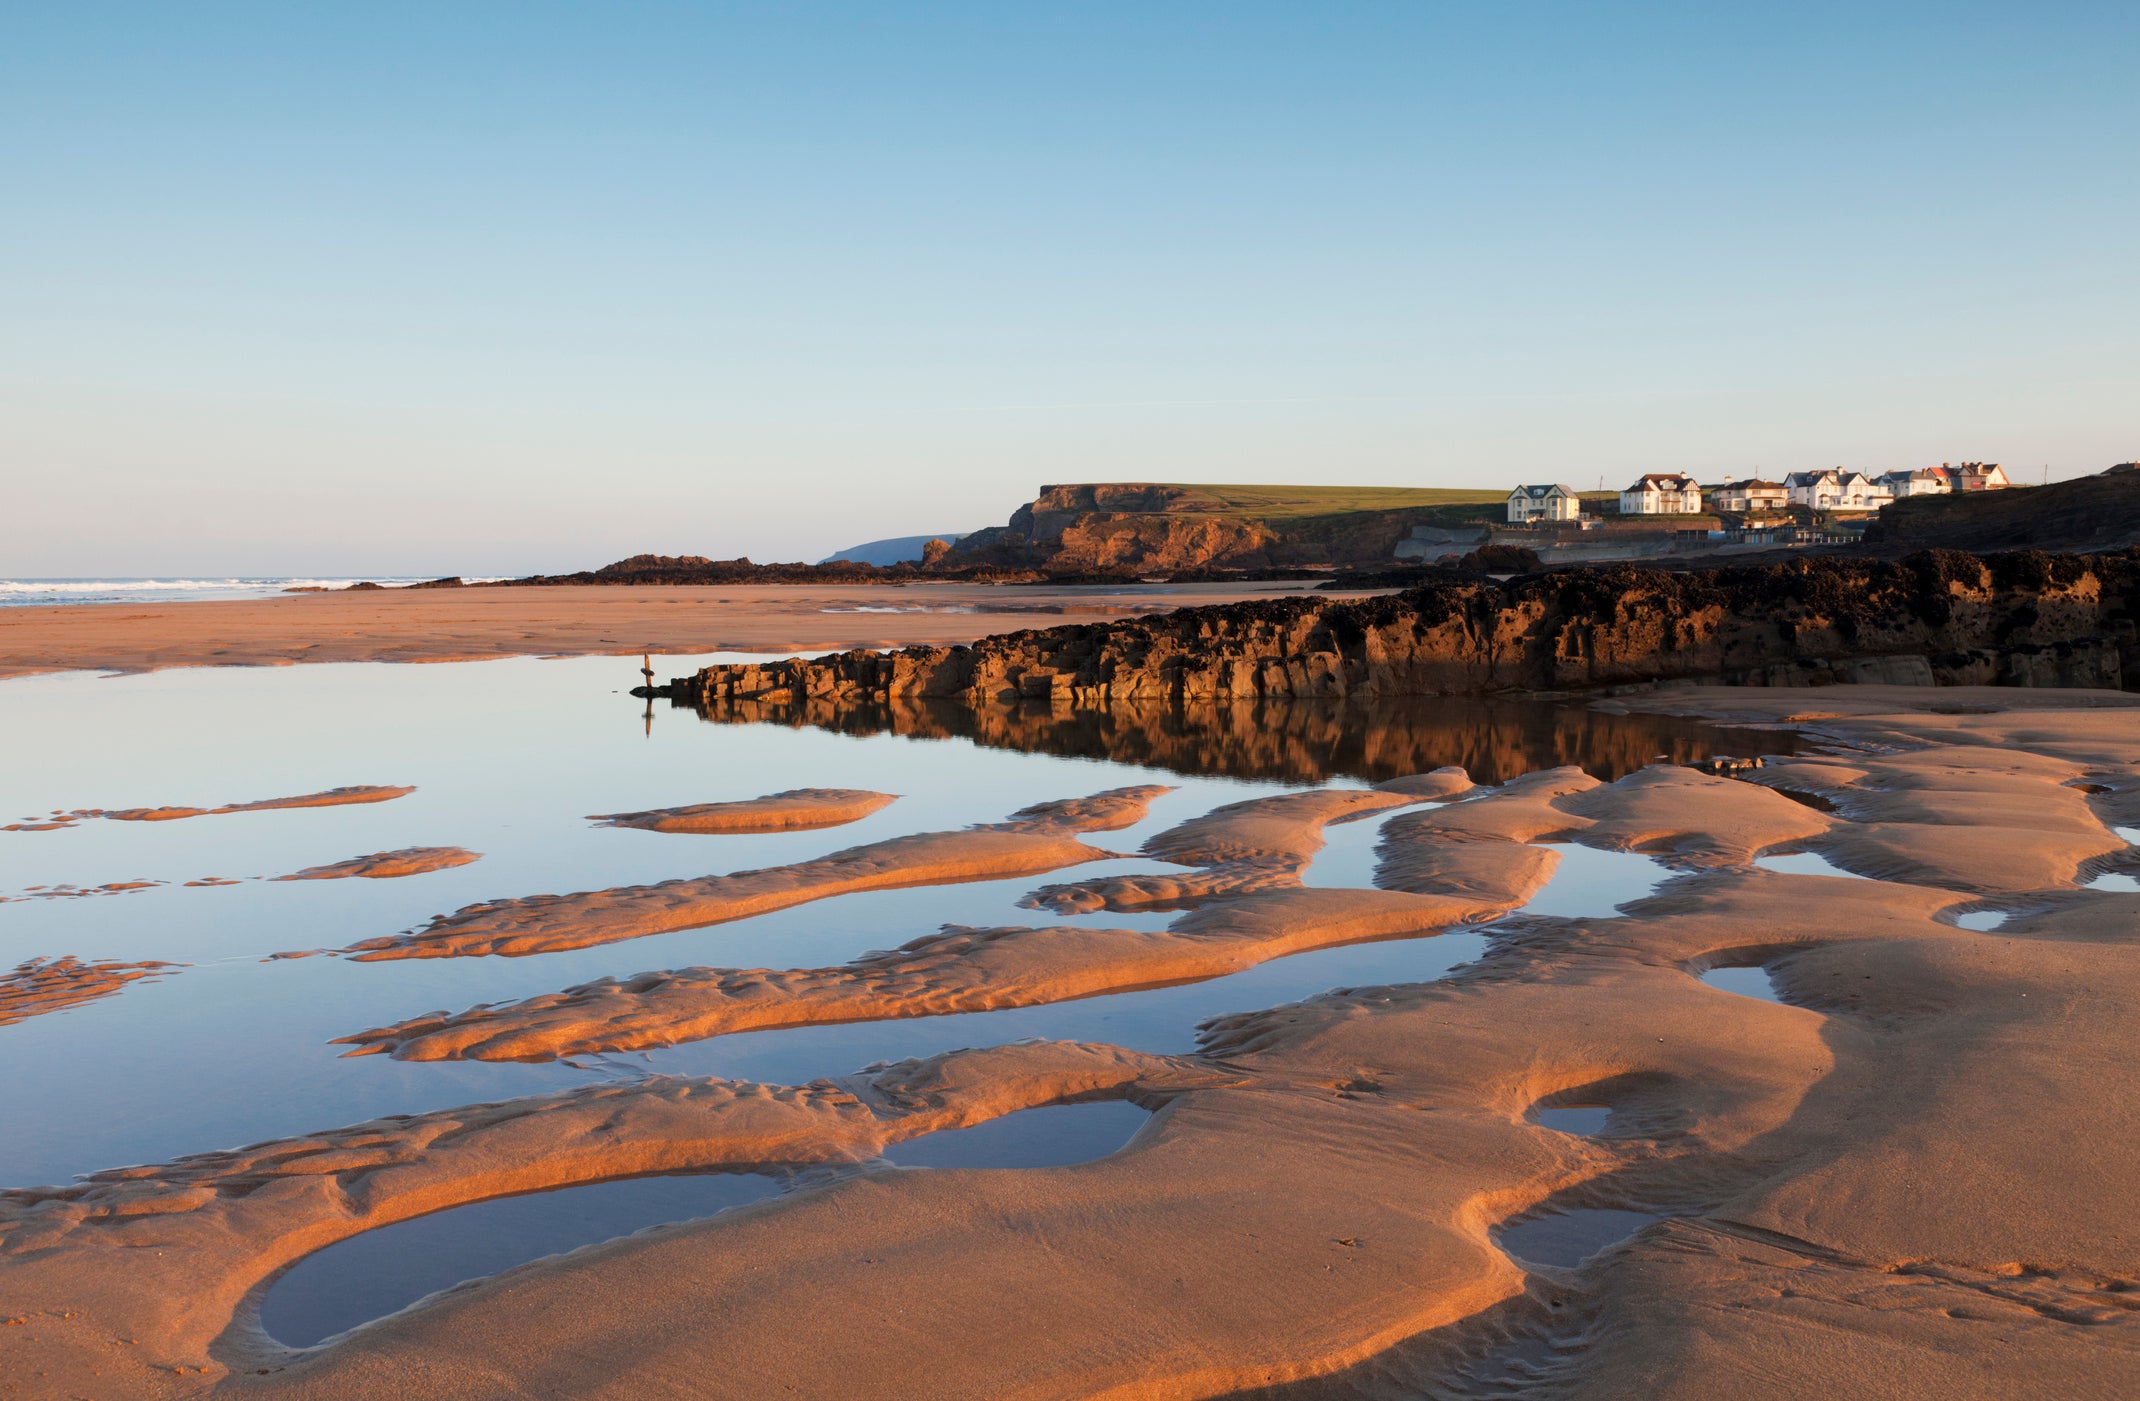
(508, 758)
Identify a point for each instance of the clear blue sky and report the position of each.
(466, 287)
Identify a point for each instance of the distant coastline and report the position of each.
(167, 588)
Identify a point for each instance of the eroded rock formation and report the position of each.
(2022, 619)
(1095, 527)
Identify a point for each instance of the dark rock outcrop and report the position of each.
(697, 569)
(1939, 617)
(2101, 512)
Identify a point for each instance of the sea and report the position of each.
(20, 593)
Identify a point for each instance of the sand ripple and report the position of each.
(1036, 840)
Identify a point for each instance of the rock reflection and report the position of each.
(1297, 741)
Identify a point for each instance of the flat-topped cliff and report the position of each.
(1098, 526)
(1938, 617)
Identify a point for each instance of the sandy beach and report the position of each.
(1895, 1161)
(1622, 884)
(477, 623)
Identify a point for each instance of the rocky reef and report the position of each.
(1940, 617)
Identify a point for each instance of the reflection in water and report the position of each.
(1293, 741)
(1805, 863)
(1054, 1136)
(237, 1051)
(1568, 1238)
(1593, 884)
(1745, 981)
(1587, 1120)
(371, 1275)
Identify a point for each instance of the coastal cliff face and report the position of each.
(1158, 527)
(1940, 617)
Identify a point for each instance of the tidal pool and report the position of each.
(381, 1272)
(1565, 1239)
(508, 758)
(1593, 884)
(1754, 982)
(1805, 863)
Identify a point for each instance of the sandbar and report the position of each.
(390, 865)
(479, 623)
(795, 810)
(329, 798)
(1039, 838)
(44, 985)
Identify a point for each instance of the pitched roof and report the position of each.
(1539, 493)
(1668, 481)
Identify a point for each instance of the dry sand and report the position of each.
(1911, 1177)
(478, 623)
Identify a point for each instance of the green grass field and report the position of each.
(1289, 502)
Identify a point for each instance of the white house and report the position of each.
(1925, 481)
(1552, 502)
(1753, 494)
(1862, 493)
(1833, 489)
(1662, 494)
(1817, 490)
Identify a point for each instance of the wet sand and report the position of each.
(797, 809)
(347, 796)
(390, 865)
(1035, 840)
(54, 984)
(1908, 1175)
(477, 623)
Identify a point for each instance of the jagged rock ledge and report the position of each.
(1941, 617)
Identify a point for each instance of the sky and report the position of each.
(476, 288)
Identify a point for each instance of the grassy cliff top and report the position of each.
(1284, 502)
